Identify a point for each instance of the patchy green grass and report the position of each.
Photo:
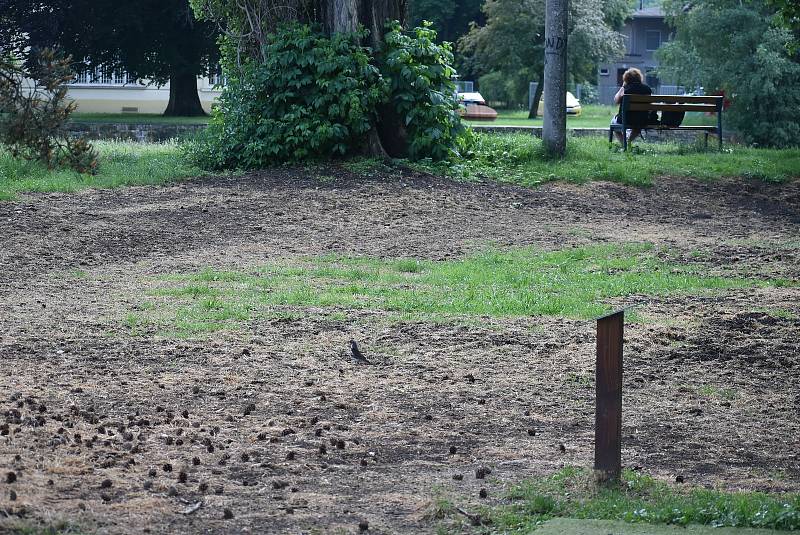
(572, 493)
(592, 116)
(781, 313)
(120, 164)
(712, 391)
(520, 159)
(577, 283)
(135, 118)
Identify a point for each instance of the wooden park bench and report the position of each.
(675, 103)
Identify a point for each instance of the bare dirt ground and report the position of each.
(122, 433)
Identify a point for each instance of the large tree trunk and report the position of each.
(389, 134)
(537, 97)
(183, 98)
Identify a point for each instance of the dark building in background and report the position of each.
(644, 32)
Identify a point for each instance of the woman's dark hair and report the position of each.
(631, 76)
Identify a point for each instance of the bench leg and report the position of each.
(706, 140)
(610, 135)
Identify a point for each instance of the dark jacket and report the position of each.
(636, 119)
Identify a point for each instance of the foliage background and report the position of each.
(743, 50)
(313, 96)
(508, 51)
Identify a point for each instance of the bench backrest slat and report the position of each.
(676, 99)
(658, 106)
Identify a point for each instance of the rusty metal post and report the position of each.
(608, 384)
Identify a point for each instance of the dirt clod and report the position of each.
(363, 525)
(11, 477)
(106, 484)
(227, 514)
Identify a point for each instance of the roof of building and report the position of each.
(648, 13)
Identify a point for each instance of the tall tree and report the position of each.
(450, 18)
(511, 43)
(741, 49)
(158, 40)
(246, 25)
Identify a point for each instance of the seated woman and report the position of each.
(632, 85)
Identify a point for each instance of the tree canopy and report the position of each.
(451, 18)
(509, 48)
(158, 40)
(742, 50)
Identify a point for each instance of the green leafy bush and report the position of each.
(312, 97)
(419, 73)
(589, 94)
(737, 48)
(34, 109)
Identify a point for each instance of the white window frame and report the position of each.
(101, 76)
(216, 80)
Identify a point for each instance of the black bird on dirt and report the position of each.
(358, 357)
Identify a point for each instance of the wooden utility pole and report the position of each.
(554, 128)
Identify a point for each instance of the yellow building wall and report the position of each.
(96, 98)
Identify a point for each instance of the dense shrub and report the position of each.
(34, 109)
(737, 48)
(589, 94)
(311, 96)
(420, 76)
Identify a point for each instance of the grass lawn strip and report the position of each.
(573, 283)
(572, 493)
(511, 158)
(120, 164)
(135, 118)
(592, 116)
(572, 526)
(520, 159)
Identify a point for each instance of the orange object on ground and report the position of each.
(478, 112)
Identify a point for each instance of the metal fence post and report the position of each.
(608, 384)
